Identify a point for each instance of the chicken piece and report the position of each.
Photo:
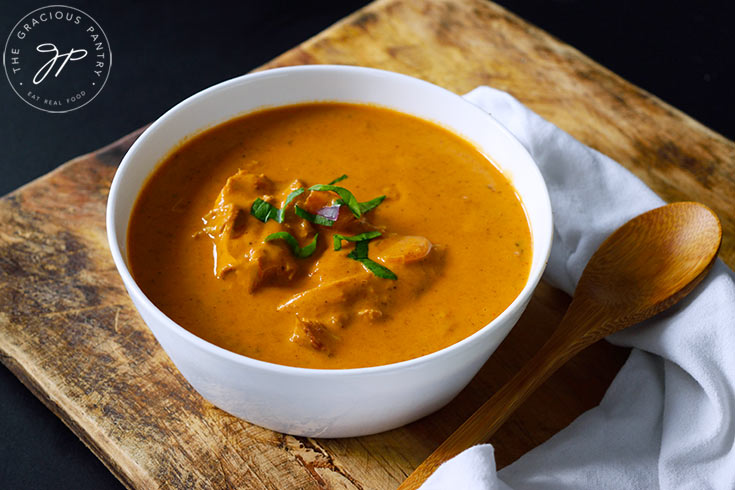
(347, 290)
(269, 263)
(227, 221)
(343, 288)
(402, 249)
(301, 229)
(320, 301)
(294, 185)
(240, 246)
(316, 200)
(346, 222)
(315, 335)
(233, 204)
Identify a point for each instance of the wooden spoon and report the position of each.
(646, 266)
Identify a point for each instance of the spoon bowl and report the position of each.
(650, 263)
(644, 267)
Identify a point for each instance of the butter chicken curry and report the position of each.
(329, 235)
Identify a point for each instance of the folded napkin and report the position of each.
(668, 419)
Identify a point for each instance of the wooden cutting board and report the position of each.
(70, 333)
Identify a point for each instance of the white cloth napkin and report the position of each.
(668, 419)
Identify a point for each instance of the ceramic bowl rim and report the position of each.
(137, 294)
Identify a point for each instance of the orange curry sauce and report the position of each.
(452, 229)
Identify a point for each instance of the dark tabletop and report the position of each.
(164, 52)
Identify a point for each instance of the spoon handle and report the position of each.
(487, 419)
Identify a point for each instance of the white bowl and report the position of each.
(316, 402)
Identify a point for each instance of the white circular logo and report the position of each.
(57, 58)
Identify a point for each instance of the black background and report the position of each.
(165, 51)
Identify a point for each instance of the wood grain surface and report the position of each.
(70, 333)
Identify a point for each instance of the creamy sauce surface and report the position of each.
(466, 257)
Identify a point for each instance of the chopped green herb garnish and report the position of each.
(360, 254)
(314, 218)
(365, 206)
(296, 249)
(368, 235)
(264, 211)
(371, 204)
(361, 250)
(346, 196)
(377, 269)
(338, 179)
(293, 195)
